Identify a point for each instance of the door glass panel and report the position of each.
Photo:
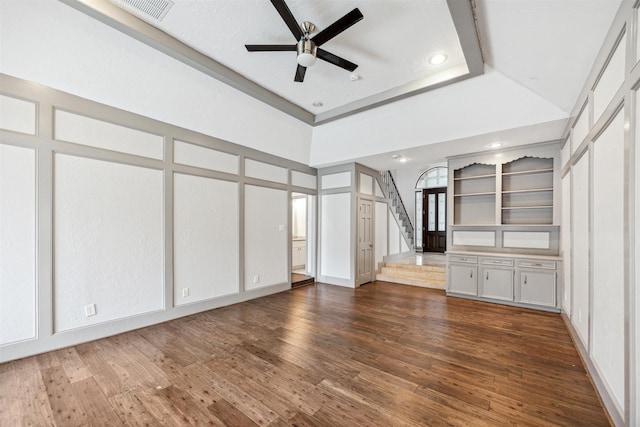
(431, 214)
(418, 229)
(433, 178)
(442, 216)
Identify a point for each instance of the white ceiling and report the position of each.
(539, 53)
(221, 28)
(391, 45)
(547, 46)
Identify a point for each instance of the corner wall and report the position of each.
(110, 221)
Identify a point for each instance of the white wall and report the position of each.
(206, 247)
(266, 240)
(608, 257)
(381, 232)
(109, 245)
(580, 245)
(394, 235)
(636, 290)
(17, 243)
(488, 103)
(335, 236)
(565, 243)
(89, 59)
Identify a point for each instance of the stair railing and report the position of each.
(396, 200)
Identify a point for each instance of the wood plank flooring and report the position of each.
(383, 354)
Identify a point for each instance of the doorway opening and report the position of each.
(431, 210)
(302, 239)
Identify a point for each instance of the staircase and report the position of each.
(426, 270)
(391, 192)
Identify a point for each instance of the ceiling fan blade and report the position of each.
(270, 47)
(336, 60)
(300, 71)
(288, 18)
(337, 27)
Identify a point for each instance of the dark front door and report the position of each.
(434, 220)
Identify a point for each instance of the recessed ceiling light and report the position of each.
(318, 104)
(495, 145)
(399, 158)
(437, 59)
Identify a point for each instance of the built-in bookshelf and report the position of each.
(527, 191)
(519, 192)
(474, 194)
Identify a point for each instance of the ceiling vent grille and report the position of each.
(156, 9)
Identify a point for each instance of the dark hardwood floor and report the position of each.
(382, 354)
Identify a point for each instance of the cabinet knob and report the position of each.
(471, 274)
(525, 279)
(487, 278)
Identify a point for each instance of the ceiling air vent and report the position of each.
(157, 9)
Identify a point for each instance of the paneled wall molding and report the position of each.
(603, 221)
(77, 181)
(338, 221)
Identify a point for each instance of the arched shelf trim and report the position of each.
(472, 163)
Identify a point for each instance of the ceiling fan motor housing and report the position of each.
(307, 51)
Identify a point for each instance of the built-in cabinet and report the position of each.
(503, 241)
(298, 253)
(463, 274)
(496, 278)
(514, 279)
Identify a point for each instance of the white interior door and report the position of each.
(365, 241)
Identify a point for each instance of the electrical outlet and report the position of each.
(90, 310)
(185, 292)
(281, 227)
(256, 279)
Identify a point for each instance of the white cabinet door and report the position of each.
(463, 279)
(537, 287)
(496, 283)
(298, 254)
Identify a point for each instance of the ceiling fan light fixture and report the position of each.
(307, 50)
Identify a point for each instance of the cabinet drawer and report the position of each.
(548, 265)
(463, 258)
(504, 262)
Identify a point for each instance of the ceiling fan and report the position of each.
(307, 47)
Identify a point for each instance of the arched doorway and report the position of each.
(431, 210)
